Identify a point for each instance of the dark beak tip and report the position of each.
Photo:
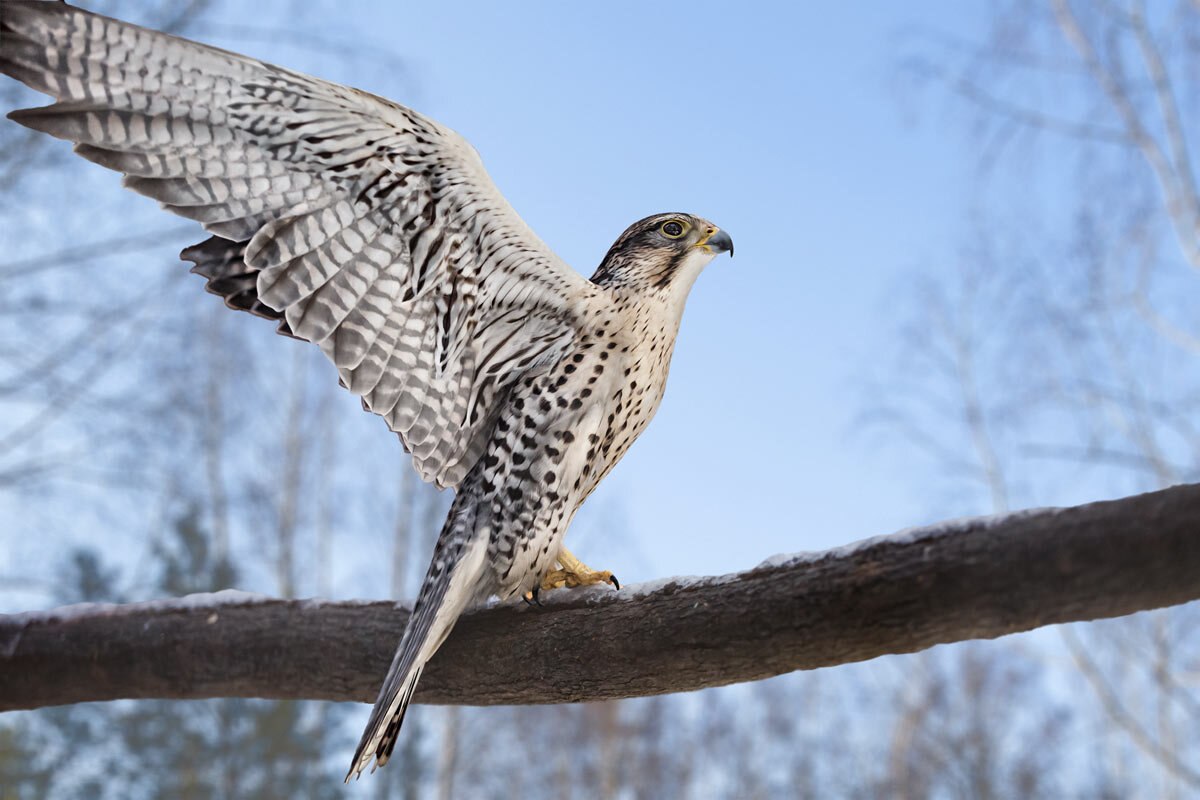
(722, 243)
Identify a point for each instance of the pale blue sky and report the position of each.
(786, 125)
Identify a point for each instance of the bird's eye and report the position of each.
(672, 229)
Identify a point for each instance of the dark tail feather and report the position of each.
(391, 730)
(223, 263)
(450, 586)
(379, 737)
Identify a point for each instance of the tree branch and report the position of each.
(971, 579)
(1111, 701)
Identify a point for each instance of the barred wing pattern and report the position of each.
(373, 231)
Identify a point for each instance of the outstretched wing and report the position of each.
(363, 226)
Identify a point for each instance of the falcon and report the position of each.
(372, 231)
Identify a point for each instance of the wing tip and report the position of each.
(25, 116)
(63, 120)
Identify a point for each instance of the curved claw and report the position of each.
(531, 597)
(572, 572)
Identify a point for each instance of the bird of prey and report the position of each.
(374, 232)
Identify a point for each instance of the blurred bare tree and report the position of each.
(1062, 353)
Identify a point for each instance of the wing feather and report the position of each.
(359, 224)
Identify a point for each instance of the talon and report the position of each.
(535, 592)
(572, 572)
(555, 579)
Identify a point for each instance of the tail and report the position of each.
(450, 586)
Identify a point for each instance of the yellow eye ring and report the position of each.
(673, 228)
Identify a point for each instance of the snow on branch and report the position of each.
(969, 579)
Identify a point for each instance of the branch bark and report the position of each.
(970, 579)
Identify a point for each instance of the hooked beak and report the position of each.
(718, 242)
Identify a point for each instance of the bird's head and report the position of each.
(665, 251)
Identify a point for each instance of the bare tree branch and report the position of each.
(978, 578)
(1140, 299)
(1037, 118)
(1176, 132)
(1166, 756)
(1174, 186)
(80, 255)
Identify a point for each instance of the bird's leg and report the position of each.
(574, 572)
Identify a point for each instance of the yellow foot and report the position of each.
(574, 573)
